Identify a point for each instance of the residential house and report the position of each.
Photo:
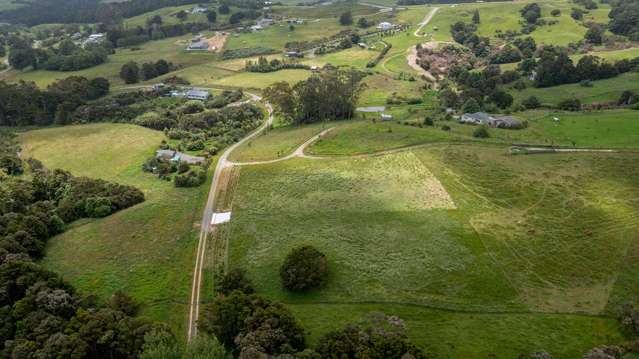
(386, 117)
(198, 43)
(199, 10)
(177, 157)
(94, 39)
(482, 118)
(385, 26)
(294, 54)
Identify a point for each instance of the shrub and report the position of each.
(570, 105)
(531, 102)
(481, 132)
(235, 279)
(471, 105)
(192, 178)
(428, 121)
(191, 107)
(303, 269)
(555, 12)
(445, 128)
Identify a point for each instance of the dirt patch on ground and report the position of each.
(216, 43)
(412, 62)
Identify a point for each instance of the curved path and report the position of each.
(222, 163)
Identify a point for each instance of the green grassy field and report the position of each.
(147, 250)
(257, 80)
(168, 16)
(506, 16)
(601, 91)
(455, 227)
(597, 129)
(171, 49)
(275, 143)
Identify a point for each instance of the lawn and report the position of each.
(464, 229)
(147, 250)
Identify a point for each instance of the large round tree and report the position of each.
(303, 269)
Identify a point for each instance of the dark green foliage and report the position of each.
(225, 98)
(252, 324)
(470, 106)
(624, 18)
(380, 56)
(577, 14)
(120, 301)
(570, 105)
(235, 279)
(224, 9)
(330, 95)
(628, 98)
(211, 16)
(247, 52)
(304, 268)
(42, 316)
(70, 57)
(481, 132)
(346, 18)
(555, 12)
(87, 11)
(508, 54)
(193, 178)
(595, 34)
(428, 121)
(501, 98)
(263, 65)
(130, 72)
(531, 13)
(25, 104)
(476, 18)
(384, 337)
(531, 103)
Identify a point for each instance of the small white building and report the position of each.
(199, 10)
(385, 26)
(94, 39)
(386, 117)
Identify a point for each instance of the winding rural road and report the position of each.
(222, 163)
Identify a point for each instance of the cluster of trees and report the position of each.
(464, 34)
(250, 326)
(588, 4)
(82, 11)
(121, 37)
(531, 13)
(42, 315)
(67, 57)
(263, 65)
(24, 104)
(330, 95)
(624, 17)
(132, 73)
(555, 67)
(476, 90)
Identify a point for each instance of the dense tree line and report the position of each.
(66, 57)
(83, 11)
(263, 65)
(253, 327)
(121, 37)
(132, 73)
(330, 95)
(24, 104)
(555, 67)
(43, 316)
(424, 2)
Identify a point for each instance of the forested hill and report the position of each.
(82, 11)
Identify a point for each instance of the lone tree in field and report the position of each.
(303, 269)
(346, 18)
(130, 72)
(476, 19)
